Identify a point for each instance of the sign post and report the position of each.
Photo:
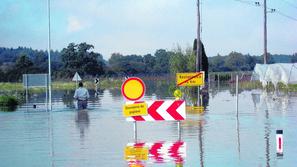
(133, 89)
(76, 78)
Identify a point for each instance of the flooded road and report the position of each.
(100, 136)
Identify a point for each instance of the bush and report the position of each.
(8, 101)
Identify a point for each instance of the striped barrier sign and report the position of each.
(162, 110)
(161, 152)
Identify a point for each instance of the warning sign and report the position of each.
(190, 79)
(137, 109)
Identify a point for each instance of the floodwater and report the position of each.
(100, 136)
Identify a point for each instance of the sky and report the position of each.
(143, 26)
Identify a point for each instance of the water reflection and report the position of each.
(265, 100)
(82, 122)
(201, 148)
(67, 98)
(161, 152)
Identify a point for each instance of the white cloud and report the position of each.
(74, 24)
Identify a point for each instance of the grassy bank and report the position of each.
(63, 85)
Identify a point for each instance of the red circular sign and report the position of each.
(133, 88)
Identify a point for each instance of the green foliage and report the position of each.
(8, 101)
(136, 64)
(79, 58)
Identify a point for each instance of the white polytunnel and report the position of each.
(285, 73)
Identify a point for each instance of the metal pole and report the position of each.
(49, 56)
(237, 95)
(135, 131)
(27, 89)
(46, 93)
(265, 33)
(179, 130)
(198, 48)
(218, 80)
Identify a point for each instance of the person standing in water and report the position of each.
(81, 95)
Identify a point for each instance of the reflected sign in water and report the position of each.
(157, 152)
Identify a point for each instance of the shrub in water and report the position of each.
(8, 101)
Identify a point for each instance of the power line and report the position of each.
(254, 3)
(287, 16)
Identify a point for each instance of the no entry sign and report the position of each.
(133, 89)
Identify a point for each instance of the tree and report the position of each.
(149, 62)
(162, 61)
(23, 64)
(178, 61)
(294, 58)
(204, 59)
(79, 58)
(127, 65)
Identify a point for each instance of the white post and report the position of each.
(27, 89)
(218, 80)
(279, 142)
(135, 131)
(237, 95)
(179, 130)
(49, 56)
(46, 93)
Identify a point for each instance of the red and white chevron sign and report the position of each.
(161, 152)
(162, 110)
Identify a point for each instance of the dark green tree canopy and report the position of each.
(79, 58)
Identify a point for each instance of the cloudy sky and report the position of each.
(142, 26)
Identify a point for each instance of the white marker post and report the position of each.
(279, 143)
(237, 95)
(135, 131)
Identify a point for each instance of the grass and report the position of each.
(105, 83)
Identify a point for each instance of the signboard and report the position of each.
(137, 109)
(133, 89)
(190, 79)
(76, 77)
(96, 81)
(162, 110)
(136, 153)
(35, 80)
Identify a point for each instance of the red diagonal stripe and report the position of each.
(174, 151)
(172, 110)
(138, 118)
(154, 151)
(152, 110)
(139, 144)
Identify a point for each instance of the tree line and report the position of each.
(83, 59)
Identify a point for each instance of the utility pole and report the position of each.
(49, 56)
(198, 48)
(265, 33)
